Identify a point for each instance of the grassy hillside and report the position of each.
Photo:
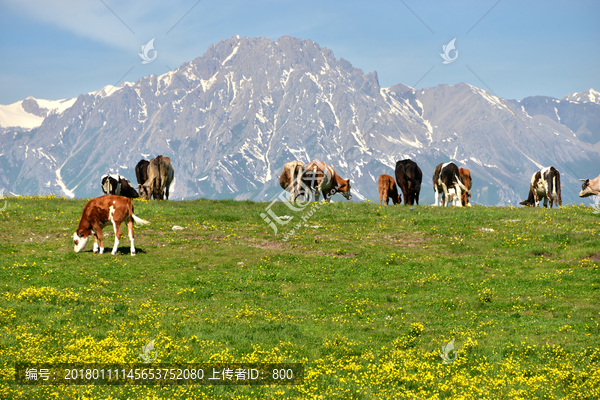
(365, 296)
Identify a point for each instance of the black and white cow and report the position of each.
(445, 177)
(118, 185)
(545, 183)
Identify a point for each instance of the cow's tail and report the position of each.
(462, 186)
(136, 219)
(557, 188)
(139, 221)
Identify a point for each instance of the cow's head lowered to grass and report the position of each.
(80, 241)
(344, 189)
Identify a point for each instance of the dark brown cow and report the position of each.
(291, 179)
(98, 213)
(321, 178)
(160, 176)
(409, 178)
(141, 171)
(387, 190)
(545, 183)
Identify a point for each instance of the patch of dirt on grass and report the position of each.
(408, 239)
(544, 254)
(595, 257)
(215, 237)
(345, 255)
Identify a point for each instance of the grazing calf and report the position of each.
(545, 184)
(291, 179)
(160, 176)
(118, 185)
(409, 178)
(590, 187)
(446, 177)
(387, 190)
(321, 178)
(141, 171)
(98, 213)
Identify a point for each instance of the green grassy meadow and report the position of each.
(364, 295)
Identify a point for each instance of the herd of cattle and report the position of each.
(154, 178)
(450, 184)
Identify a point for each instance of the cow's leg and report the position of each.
(100, 236)
(95, 243)
(130, 231)
(437, 195)
(167, 193)
(445, 189)
(546, 201)
(457, 198)
(117, 228)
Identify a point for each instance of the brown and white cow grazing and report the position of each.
(388, 190)
(409, 178)
(98, 213)
(545, 183)
(590, 187)
(446, 177)
(465, 177)
(321, 178)
(160, 176)
(291, 179)
(141, 171)
(118, 185)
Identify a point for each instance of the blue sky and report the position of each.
(60, 49)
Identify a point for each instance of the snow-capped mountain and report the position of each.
(230, 119)
(588, 96)
(31, 112)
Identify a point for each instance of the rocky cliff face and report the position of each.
(230, 119)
